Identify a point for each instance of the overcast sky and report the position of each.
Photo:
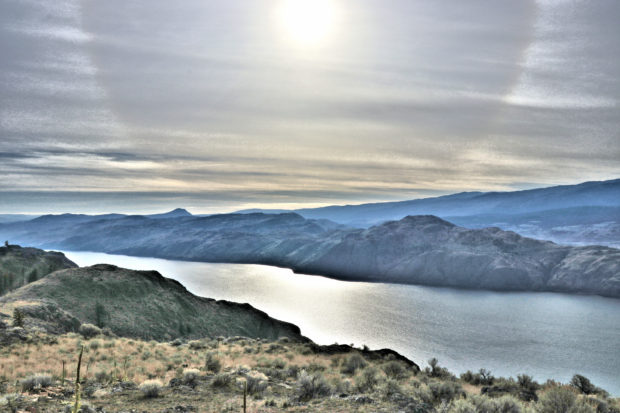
(145, 105)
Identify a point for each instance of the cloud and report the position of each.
(208, 100)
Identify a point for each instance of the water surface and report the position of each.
(547, 335)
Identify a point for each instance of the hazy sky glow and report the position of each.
(219, 105)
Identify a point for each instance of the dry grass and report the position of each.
(109, 361)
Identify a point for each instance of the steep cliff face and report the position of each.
(19, 266)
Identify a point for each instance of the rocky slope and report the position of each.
(140, 304)
(19, 266)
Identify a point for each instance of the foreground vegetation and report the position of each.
(37, 373)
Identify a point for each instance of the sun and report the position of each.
(307, 22)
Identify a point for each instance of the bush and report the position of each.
(103, 377)
(395, 370)
(212, 363)
(583, 384)
(483, 377)
(507, 404)
(556, 400)
(391, 388)
(581, 407)
(445, 391)
(89, 330)
(95, 344)
(367, 380)
(436, 371)
(256, 384)
(36, 381)
(312, 386)
(197, 344)
(353, 363)
(221, 380)
(151, 388)
(190, 376)
(462, 406)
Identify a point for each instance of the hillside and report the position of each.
(19, 266)
(416, 250)
(428, 250)
(122, 375)
(136, 304)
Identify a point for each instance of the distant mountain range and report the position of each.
(587, 213)
(416, 249)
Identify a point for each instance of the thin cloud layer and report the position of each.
(215, 106)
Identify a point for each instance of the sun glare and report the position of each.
(307, 22)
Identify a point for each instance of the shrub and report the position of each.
(256, 384)
(221, 380)
(583, 384)
(278, 363)
(151, 388)
(436, 371)
(190, 376)
(395, 370)
(89, 330)
(94, 344)
(367, 380)
(36, 381)
(212, 363)
(462, 406)
(197, 344)
(353, 363)
(391, 388)
(507, 404)
(445, 391)
(556, 400)
(18, 318)
(312, 386)
(581, 407)
(103, 377)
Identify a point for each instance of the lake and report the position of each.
(547, 335)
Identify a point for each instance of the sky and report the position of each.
(147, 105)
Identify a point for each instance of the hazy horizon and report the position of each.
(218, 106)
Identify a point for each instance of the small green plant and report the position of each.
(36, 381)
(222, 380)
(89, 330)
(367, 380)
(310, 386)
(18, 318)
(353, 363)
(151, 388)
(394, 369)
(190, 376)
(212, 363)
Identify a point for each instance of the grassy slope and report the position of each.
(113, 369)
(137, 304)
(18, 265)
